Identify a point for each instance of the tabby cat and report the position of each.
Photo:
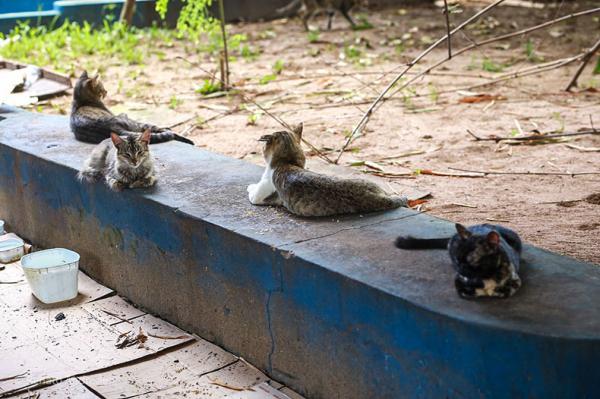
(92, 122)
(486, 258)
(123, 162)
(286, 182)
(311, 7)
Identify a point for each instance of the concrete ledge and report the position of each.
(329, 307)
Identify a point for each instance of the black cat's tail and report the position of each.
(408, 242)
(163, 137)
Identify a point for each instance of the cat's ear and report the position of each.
(84, 75)
(146, 136)
(463, 232)
(116, 139)
(298, 131)
(493, 238)
(96, 78)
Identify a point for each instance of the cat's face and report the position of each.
(284, 148)
(132, 150)
(476, 255)
(88, 88)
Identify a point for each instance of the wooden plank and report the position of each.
(181, 367)
(68, 389)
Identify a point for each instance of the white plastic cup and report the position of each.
(52, 274)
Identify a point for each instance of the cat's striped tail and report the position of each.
(163, 137)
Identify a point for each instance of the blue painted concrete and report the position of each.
(327, 306)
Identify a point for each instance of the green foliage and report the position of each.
(249, 53)
(363, 23)
(489, 65)
(62, 47)
(208, 87)
(174, 102)
(597, 68)
(267, 78)
(352, 52)
(194, 17)
(313, 36)
(530, 52)
(278, 66)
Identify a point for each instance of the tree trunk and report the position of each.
(127, 12)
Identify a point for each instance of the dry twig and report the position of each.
(489, 172)
(532, 137)
(586, 58)
(364, 120)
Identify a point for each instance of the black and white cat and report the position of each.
(486, 258)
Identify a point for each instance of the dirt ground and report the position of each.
(329, 82)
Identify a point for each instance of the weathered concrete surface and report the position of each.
(328, 306)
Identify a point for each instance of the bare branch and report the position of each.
(399, 76)
(449, 39)
(586, 58)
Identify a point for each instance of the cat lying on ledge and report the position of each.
(305, 193)
(92, 122)
(486, 258)
(123, 162)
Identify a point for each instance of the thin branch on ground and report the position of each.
(449, 38)
(489, 172)
(532, 137)
(248, 99)
(496, 39)
(526, 72)
(364, 120)
(586, 58)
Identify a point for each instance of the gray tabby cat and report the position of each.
(311, 7)
(305, 193)
(123, 161)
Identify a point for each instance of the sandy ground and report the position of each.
(328, 84)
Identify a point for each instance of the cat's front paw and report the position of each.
(253, 190)
(116, 185)
(144, 183)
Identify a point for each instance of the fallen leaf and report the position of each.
(481, 98)
(414, 203)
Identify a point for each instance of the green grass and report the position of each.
(489, 65)
(313, 36)
(208, 87)
(60, 48)
(174, 102)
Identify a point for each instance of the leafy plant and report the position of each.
(313, 36)
(64, 46)
(530, 52)
(597, 68)
(174, 102)
(491, 66)
(363, 23)
(208, 87)
(278, 66)
(267, 78)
